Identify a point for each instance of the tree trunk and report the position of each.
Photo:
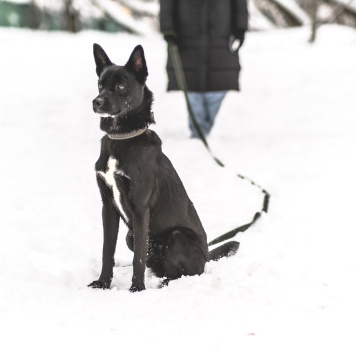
(314, 20)
(71, 16)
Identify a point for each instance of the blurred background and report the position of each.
(130, 15)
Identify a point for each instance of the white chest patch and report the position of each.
(109, 177)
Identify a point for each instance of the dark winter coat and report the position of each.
(201, 29)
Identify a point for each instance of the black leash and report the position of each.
(178, 70)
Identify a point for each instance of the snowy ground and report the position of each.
(288, 291)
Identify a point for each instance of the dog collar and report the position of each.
(127, 135)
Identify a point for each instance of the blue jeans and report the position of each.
(205, 107)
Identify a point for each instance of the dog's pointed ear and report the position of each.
(137, 64)
(101, 59)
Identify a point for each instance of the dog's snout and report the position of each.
(97, 103)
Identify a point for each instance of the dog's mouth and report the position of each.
(106, 115)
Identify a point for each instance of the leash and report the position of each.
(178, 70)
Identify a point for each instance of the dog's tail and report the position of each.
(226, 250)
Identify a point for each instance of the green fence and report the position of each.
(28, 15)
(18, 15)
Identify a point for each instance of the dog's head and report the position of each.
(122, 89)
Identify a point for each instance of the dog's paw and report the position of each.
(135, 289)
(99, 285)
(164, 283)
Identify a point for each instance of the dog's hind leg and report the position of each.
(186, 255)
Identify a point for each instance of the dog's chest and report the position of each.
(108, 176)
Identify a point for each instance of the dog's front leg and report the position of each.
(140, 229)
(111, 221)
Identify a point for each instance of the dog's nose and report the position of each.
(97, 102)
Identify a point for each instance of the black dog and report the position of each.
(139, 185)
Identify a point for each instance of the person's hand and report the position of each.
(170, 38)
(236, 40)
(240, 35)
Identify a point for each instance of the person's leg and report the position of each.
(200, 111)
(213, 102)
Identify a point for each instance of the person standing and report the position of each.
(205, 32)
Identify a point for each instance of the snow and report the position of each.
(288, 291)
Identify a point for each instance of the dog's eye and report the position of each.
(100, 85)
(119, 87)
